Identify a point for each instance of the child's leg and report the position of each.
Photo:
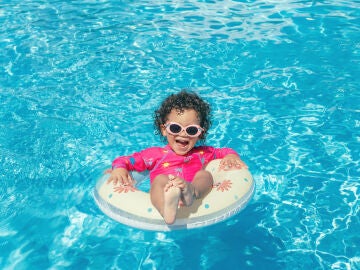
(166, 202)
(198, 188)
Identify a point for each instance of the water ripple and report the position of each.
(80, 81)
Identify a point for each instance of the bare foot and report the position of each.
(171, 197)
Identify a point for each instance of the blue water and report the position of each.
(79, 81)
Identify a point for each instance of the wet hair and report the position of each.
(184, 100)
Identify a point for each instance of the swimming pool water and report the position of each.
(79, 81)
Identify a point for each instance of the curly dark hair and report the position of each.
(184, 100)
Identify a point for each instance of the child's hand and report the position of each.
(175, 182)
(231, 162)
(122, 176)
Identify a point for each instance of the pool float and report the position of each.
(231, 192)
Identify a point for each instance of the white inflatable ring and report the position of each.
(231, 192)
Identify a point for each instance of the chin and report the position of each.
(181, 153)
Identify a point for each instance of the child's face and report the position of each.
(181, 143)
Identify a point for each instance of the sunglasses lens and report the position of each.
(192, 130)
(174, 128)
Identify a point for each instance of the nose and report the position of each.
(183, 132)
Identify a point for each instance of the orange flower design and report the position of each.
(124, 189)
(224, 186)
(166, 164)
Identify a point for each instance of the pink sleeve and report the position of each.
(139, 161)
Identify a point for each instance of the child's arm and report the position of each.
(122, 165)
(232, 161)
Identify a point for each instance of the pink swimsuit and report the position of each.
(163, 160)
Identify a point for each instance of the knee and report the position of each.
(159, 182)
(160, 179)
(203, 174)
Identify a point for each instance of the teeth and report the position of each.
(182, 142)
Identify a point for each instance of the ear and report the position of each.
(163, 130)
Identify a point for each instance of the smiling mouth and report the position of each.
(183, 143)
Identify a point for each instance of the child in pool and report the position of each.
(177, 170)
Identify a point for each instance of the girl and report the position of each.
(177, 170)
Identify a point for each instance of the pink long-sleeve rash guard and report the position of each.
(163, 160)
